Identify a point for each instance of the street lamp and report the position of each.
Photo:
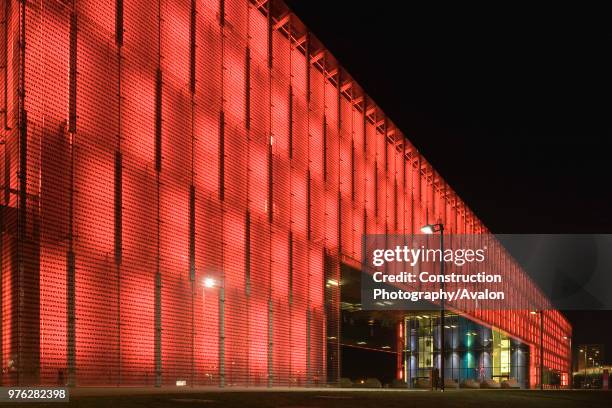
(541, 313)
(430, 229)
(427, 229)
(585, 351)
(209, 283)
(571, 362)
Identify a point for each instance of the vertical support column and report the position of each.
(4, 66)
(404, 185)
(71, 326)
(247, 253)
(332, 311)
(222, 198)
(118, 232)
(158, 167)
(386, 151)
(352, 170)
(308, 345)
(192, 47)
(72, 99)
(270, 181)
(339, 158)
(375, 187)
(270, 28)
(419, 183)
(192, 202)
(290, 307)
(270, 371)
(308, 215)
(71, 261)
(290, 121)
(290, 268)
(324, 147)
(221, 155)
(365, 162)
(192, 269)
(24, 275)
(158, 120)
(247, 89)
(308, 174)
(308, 204)
(6, 172)
(386, 178)
(119, 22)
(158, 362)
(542, 349)
(119, 182)
(192, 189)
(395, 204)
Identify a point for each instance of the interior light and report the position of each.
(209, 282)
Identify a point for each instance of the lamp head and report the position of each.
(209, 282)
(427, 229)
(431, 228)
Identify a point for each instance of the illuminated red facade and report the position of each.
(148, 145)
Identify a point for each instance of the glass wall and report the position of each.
(471, 351)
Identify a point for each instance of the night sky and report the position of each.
(511, 106)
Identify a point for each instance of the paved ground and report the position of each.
(335, 399)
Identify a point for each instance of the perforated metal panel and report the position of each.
(148, 146)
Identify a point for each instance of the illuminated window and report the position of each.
(501, 354)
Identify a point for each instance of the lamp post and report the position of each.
(584, 351)
(570, 377)
(430, 229)
(210, 283)
(541, 313)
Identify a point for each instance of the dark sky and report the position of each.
(510, 105)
